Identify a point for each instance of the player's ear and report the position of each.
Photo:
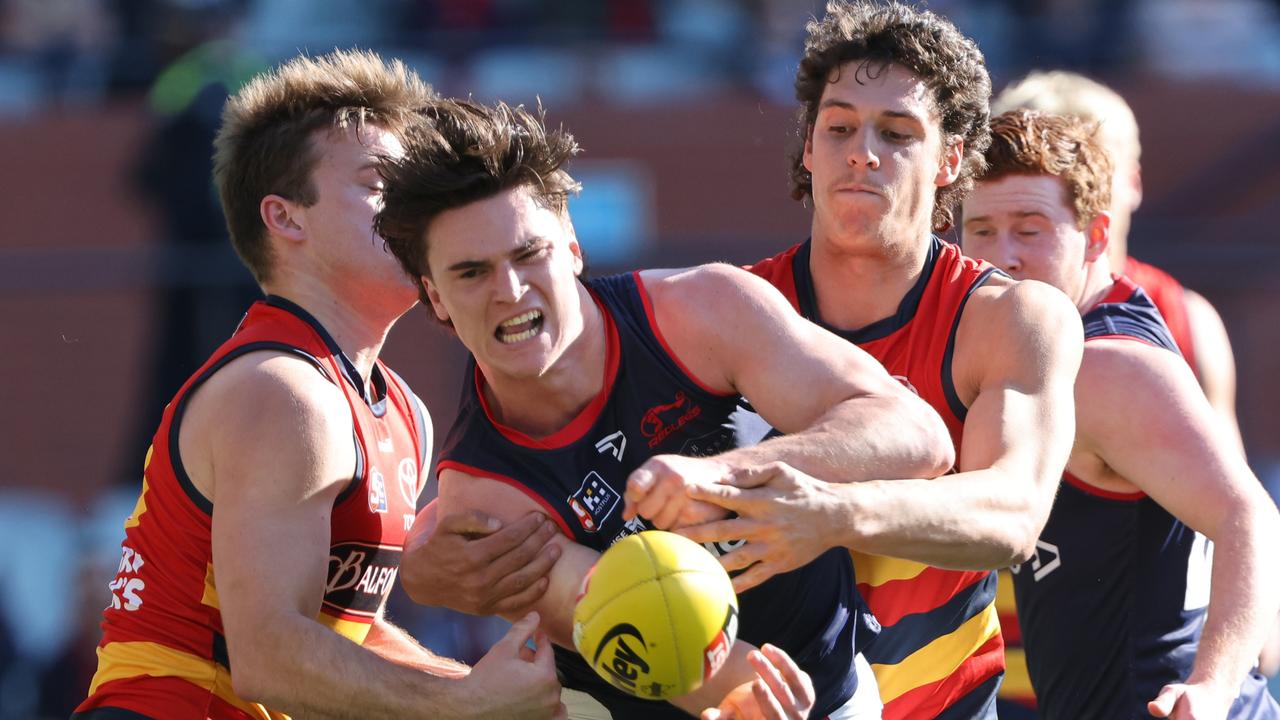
(952, 157)
(574, 248)
(432, 296)
(1097, 236)
(282, 218)
(806, 156)
(1135, 180)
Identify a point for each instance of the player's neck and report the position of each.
(542, 406)
(359, 328)
(1097, 283)
(857, 284)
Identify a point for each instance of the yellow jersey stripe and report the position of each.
(877, 570)
(1017, 681)
(938, 659)
(354, 631)
(210, 595)
(1004, 594)
(123, 660)
(141, 506)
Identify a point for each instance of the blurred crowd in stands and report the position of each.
(79, 51)
(184, 56)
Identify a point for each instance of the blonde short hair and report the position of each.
(264, 145)
(1065, 93)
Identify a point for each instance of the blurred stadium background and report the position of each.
(116, 279)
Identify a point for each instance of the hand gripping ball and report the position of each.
(657, 616)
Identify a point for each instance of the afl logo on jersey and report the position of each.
(377, 492)
(593, 502)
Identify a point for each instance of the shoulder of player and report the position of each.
(1004, 318)
(700, 293)
(1125, 385)
(1130, 370)
(269, 403)
(271, 382)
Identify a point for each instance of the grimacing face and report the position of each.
(504, 271)
(877, 155)
(1024, 225)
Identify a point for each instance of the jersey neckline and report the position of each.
(374, 393)
(879, 329)
(578, 427)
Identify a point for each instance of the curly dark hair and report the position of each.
(463, 152)
(1027, 142)
(876, 35)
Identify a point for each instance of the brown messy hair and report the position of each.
(464, 152)
(265, 144)
(876, 35)
(1027, 142)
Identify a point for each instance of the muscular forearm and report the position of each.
(863, 439)
(1244, 598)
(977, 520)
(300, 667)
(394, 644)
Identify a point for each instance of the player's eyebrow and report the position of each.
(468, 265)
(846, 105)
(1030, 213)
(526, 245)
(1019, 214)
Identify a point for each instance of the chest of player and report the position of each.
(914, 355)
(1104, 553)
(583, 480)
(372, 516)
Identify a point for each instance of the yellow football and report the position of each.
(657, 615)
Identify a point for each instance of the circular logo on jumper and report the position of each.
(407, 474)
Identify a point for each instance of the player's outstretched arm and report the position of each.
(846, 419)
(1021, 346)
(1141, 412)
(1017, 352)
(269, 441)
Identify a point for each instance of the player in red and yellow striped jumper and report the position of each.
(164, 650)
(283, 479)
(894, 124)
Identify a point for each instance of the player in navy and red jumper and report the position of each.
(650, 406)
(1193, 322)
(601, 401)
(280, 486)
(1126, 609)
